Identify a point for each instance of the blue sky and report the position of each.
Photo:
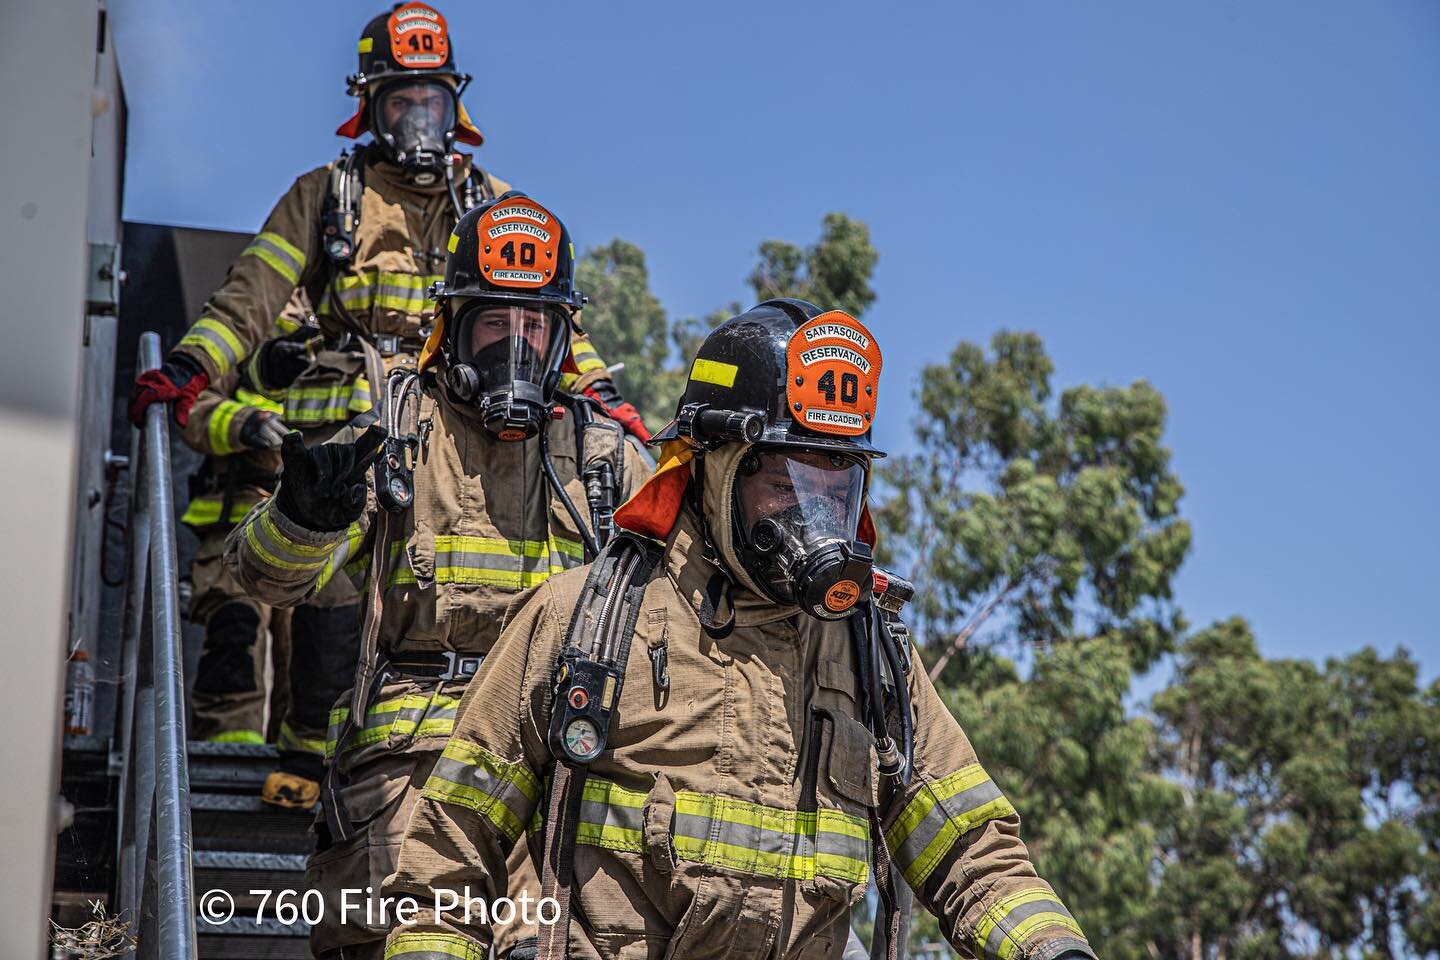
(1237, 202)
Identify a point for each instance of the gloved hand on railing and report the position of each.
(323, 487)
(178, 379)
(263, 430)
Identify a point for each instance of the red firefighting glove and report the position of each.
(618, 408)
(179, 380)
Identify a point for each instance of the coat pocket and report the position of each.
(849, 759)
(840, 677)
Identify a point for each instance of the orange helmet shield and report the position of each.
(833, 366)
(519, 244)
(419, 37)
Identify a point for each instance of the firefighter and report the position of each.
(488, 481)
(240, 430)
(751, 778)
(363, 237)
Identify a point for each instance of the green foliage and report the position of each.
(833, 273)
(1044, 522)
(629, 326)
(1301, 829)
(1060, 744)
(1260, 808)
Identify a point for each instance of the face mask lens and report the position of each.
(416, 116)
(507, 343)
(804, 495)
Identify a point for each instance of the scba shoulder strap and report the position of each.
(591, 669)
(340, 211)
(587, 681)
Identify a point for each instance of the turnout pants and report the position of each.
(384, 767)
(310, 671)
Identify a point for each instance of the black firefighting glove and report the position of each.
(263, 430)
(179, 380)
(277, 362)
(323, 487)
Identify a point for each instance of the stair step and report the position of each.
(236, 821)
(207, 748)
(240, 927)
(248, 860)
(233, 767)
(238, 872)
(225, 943)
(245, 803)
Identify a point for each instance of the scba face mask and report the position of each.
(506, 360)
(416, 124)
(796, 513)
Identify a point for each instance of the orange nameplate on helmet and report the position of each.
(419, 38)
(519, 244)
(833, 375)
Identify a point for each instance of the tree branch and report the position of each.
(966, 632)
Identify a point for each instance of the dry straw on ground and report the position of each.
(101, 938)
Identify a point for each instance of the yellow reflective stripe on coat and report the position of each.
(433, 946)
(411, 714)
(495, 562)
(283, 256)
(306, 406)
(218, 428)
(238, 736)
(1014, 919)
(288, 739)
(205, 511)
(735, 834)
(276, 550)
(502, 791)
(405, 292)
(257, 400)
(584, 355)
(340, 559)
(217, 341)
(940, 813)
(284, 325)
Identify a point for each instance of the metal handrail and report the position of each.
(155, 877)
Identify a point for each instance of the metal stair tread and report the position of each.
(252, 751)
(243, 803)
(248, 860)
(239, 926)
